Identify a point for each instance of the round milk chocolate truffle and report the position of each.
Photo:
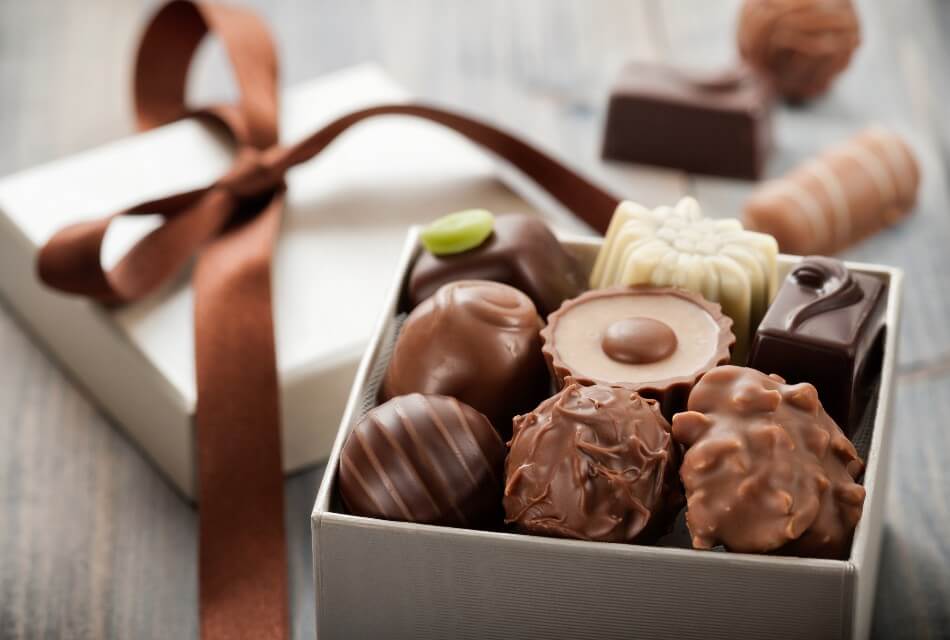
(656, 340)
(766, 469)
(594, 463)
(477, 341)
(429, 459)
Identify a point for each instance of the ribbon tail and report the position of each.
(243, 554)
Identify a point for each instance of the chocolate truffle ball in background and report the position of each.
(594, 463)
(521, 251)
(801, 45)
(429, 459)
(766, 469)
(477, 341)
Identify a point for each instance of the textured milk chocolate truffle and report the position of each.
(477, 341)
(800, 44)
(594, 463)
(766, 469)
(429, 459)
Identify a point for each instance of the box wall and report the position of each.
(414, 581)
(866, 549)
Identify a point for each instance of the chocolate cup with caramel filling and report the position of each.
(657, 341)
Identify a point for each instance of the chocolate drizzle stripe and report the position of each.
(463, 421)
(436, 470)
(383, 476)
(876, 168)
(840, 211)
(807, 204)
(897, 157)
(450, 441)
(407, 461)
(355, 472)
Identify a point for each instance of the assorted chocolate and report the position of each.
(848, 193)
(656, 340)
(594, 463)
(823, 327)
(766, 465)
(477, 341)
(424, 458)
(521, 251)
(716, 124)
(800, 45)
(680, 247)
(766, 469)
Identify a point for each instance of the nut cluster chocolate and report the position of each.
(588, 397)
(592, 462)
(765, 468)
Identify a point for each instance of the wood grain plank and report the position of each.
(914, 584)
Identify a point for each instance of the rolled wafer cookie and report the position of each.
(844, 195)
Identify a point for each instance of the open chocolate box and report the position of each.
(381, 578)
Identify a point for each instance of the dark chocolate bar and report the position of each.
(717, 125)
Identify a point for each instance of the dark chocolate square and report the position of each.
(825, 327)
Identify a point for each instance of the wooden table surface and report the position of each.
(94, 543)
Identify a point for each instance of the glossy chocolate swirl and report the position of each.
(766, 469)
(429, 459)
(800, 44)
(833, 283)
(476, 341)
(594, 463)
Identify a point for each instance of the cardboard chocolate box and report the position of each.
(377, 578)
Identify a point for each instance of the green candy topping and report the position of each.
(457, 232)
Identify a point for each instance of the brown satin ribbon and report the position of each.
(231, 227)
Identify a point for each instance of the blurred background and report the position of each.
(94, 543)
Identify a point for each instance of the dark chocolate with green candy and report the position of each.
(521, 252)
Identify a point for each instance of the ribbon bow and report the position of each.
(231, 226)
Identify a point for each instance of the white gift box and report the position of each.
(377, 578)
(344, 226)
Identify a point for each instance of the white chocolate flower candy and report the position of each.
(677, 246)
